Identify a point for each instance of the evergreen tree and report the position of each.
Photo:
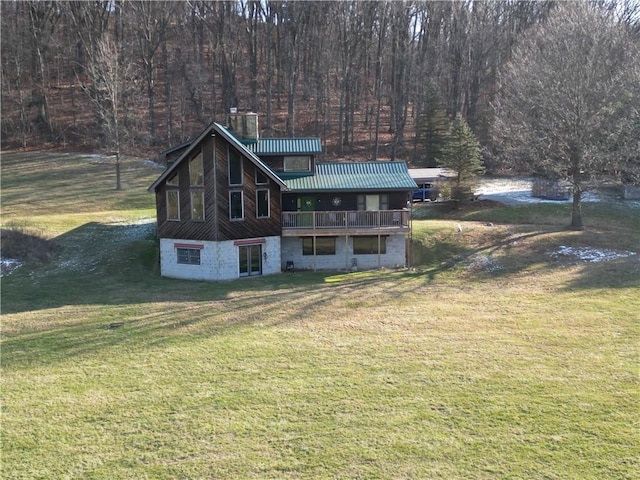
(432, 128)
(461, 153)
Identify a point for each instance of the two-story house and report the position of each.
(233, 204)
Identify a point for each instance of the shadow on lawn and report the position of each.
(113, 269)
(117, 264)
(513, 253)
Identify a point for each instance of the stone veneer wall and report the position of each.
(344, 257)
(218, 260)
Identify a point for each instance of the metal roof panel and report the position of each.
(355, 177)
(285, 146)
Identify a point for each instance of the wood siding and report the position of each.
(217, 225)
(251, 226)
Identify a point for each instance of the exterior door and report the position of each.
(307, 204)
(372, 203)
(250, 260)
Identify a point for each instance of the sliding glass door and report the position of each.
(250, 260)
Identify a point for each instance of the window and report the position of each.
(369, 245)
(384, 202)
(297, 164)
(262, 203)
(173, 180)
(188, 256)
(373, 202)
(261, 178)
(235, 167)
(173, 205)
(236, 205)
(250, 260)
(196, 171)
(324, 245)
(197, 205)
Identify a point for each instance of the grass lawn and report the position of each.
(503, 353)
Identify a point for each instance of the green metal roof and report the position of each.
(285, 146)
(353, 176)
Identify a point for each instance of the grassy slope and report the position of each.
(491, 359)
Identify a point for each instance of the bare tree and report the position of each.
(43, 17)
(569, 99)
(150, 23)
(110, 79)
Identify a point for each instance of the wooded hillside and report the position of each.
(373, 79)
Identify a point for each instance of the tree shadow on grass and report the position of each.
(105, 274)
(516, 252)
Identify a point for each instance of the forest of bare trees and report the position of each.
(373, 79)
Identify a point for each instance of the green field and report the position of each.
(505, 352)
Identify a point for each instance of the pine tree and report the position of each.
(432, 128)
(461, 153)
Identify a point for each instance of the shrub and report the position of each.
(22, 245)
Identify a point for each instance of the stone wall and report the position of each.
(218, 260)
(344, 258)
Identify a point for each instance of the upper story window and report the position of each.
(173, 180)
(197, 205)
(236, 205)
(297, 164)
(196, 171)
(235, 167)
(261, 178)
(173, 205)
(373, 202)
(262, 203)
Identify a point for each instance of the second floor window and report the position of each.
(262, 203)
(174, 180)
(373, 202)
(197, 205)
(196, 171)
(297, 164)
(235, 167)
(173, 205)
(236, 205)
(261, 178)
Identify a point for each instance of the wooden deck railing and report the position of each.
(346, 220)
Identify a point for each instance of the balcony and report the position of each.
(345, 222)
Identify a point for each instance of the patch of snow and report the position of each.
(482, 263)
(516, 190)
(95, 155)
(134, 230)
(150, 163)
(591, 255)
(8, 265)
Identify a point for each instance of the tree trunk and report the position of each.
(118, 182)
(576, 208)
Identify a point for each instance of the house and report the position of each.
(233, 205)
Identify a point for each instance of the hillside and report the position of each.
(356, 74)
